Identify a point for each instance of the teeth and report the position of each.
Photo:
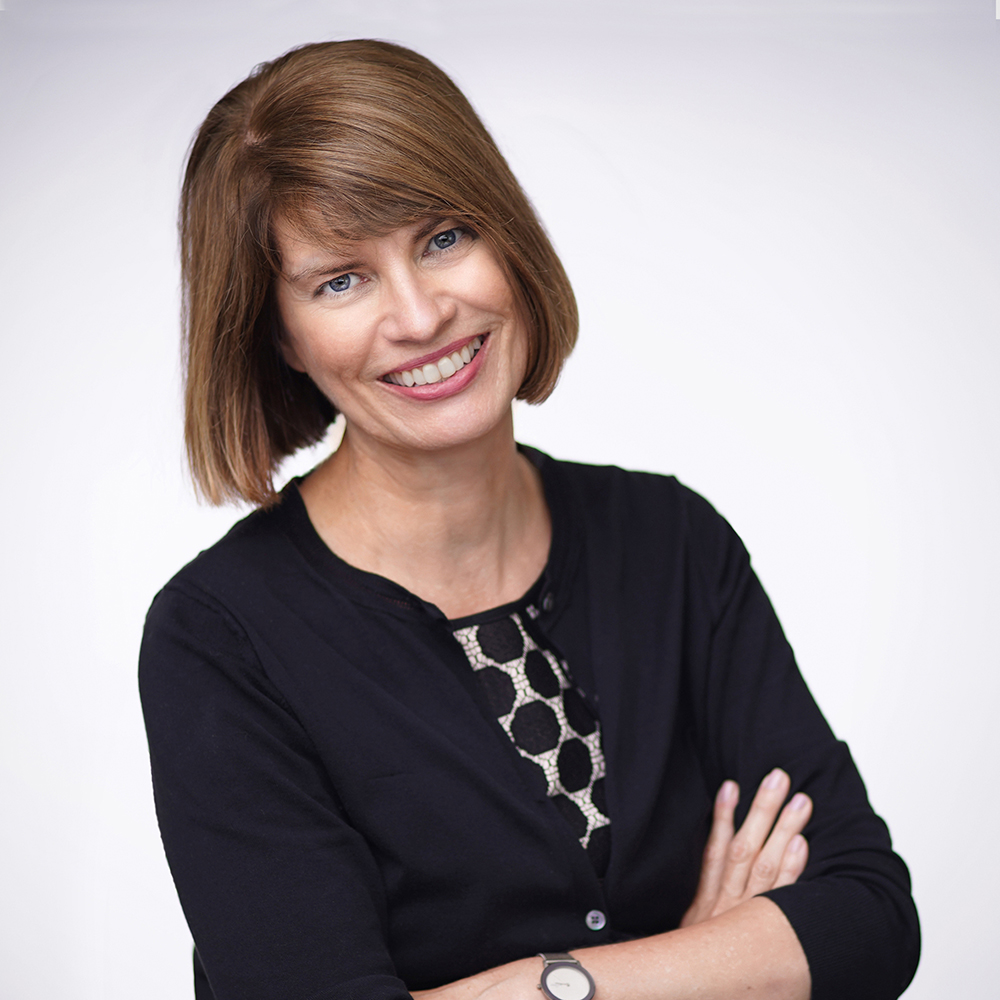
(437, 372)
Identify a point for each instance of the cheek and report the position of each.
(507, 306)
(308, 337)
(316, 346)
(519, 364)
(495, 295)
(518, 349)
(293, 346)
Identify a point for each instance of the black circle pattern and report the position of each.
(575, 766)
(500, 640)
(535, 728)
(499, 690)
(547, 720)
(540, 674)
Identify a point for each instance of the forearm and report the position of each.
(749, 951)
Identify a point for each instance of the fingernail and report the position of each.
(798, 802)
(728, 792)
(797, 844)
(774, 778)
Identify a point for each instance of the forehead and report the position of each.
(294, 238)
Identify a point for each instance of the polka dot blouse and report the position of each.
(551, 725)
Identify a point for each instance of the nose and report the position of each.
(416, 307)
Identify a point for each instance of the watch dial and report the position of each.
(566, 982)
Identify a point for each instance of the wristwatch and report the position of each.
(564, 978)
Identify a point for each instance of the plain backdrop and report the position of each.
(782, 220)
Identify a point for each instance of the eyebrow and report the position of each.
(317, 271)
(430, 225)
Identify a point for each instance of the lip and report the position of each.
(448, 386)
(427, 359)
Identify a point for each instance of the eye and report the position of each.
(342, 283)
(447, 239)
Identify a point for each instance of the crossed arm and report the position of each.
(731, 942)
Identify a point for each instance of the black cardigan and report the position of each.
(345, 818)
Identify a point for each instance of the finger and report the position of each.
(768, 865)
(713, 860)
(714, 856)
(744, 848)
(793, 861)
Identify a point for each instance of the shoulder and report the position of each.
(639, 503)
(209, 631)
(220, 598)
(262, 546)
(642, 527)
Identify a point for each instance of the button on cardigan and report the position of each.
(345, 819)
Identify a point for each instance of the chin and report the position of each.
(458, 430)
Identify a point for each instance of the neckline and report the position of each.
(533, 596)
(386, 595)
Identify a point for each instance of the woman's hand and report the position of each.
(763, 855)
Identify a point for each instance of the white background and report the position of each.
(781, 220)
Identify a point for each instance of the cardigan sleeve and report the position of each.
(282, 896)
(851, 909)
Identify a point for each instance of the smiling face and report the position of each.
(414, 336)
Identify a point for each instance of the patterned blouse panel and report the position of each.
(548, 721)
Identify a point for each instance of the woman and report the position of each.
(446, 704)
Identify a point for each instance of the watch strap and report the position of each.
(548, 957)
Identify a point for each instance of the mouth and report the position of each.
(439, 370)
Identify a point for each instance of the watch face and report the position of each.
(567, 982)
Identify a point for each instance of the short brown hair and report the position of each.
(352, 139)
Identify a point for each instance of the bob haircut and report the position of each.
(343, 141)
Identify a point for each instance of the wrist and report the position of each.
(512, 981)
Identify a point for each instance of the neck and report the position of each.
(465, 528)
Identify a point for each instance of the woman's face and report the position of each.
(414, 336)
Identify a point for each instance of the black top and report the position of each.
(345, 818)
